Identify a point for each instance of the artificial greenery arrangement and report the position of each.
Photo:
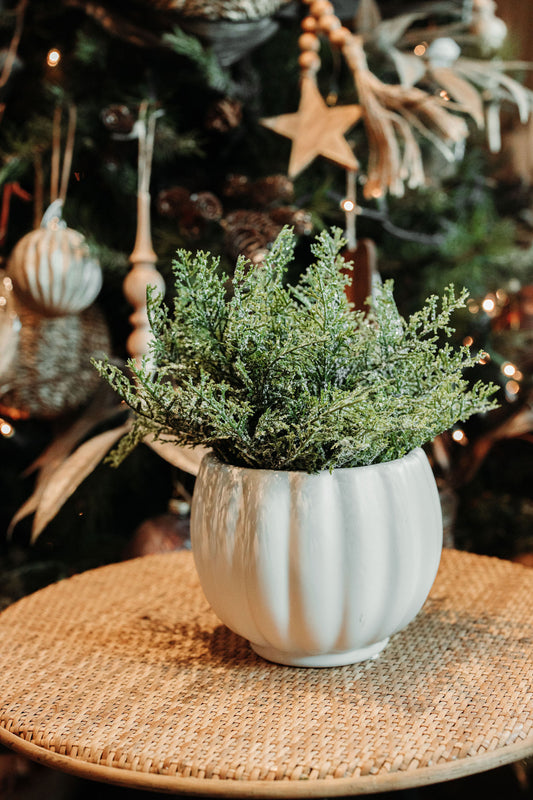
(285, 377)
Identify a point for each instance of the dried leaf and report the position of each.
(102, 407)
(186, 458)
(391, 113)
(519, 93)
(410, 69)
(494, 130)
(462, 92)
(66, 479)
(517, 425)
(368, 16)
(63, 444)
(27, 508)
(392, 30)
(492, 78)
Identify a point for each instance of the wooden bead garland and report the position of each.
(309, 61)
(309, 41)
(322, 19)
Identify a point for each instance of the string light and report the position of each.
(488, 304)
(8, 283)
(517, 375)
(473, 307)
(6, 429)
(3, 301)
(53, 57)
(502, 295)
(484, 358)
(444, 94)
(468, 341)
(459, 436)
(420, 49)
(512, 388)
(347, 205)
(508, 369)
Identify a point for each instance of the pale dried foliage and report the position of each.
(391, 115)
(433, 100)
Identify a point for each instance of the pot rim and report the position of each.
(256, 470)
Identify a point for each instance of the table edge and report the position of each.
(215, 787)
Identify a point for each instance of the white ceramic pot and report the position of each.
(317, 570)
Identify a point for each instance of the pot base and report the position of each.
(321, 659)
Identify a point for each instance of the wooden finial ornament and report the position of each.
(143, 258)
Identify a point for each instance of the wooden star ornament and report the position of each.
(316, 130)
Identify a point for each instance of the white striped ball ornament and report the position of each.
(53, 270)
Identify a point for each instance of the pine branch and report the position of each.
(206, 61)
(281, 377)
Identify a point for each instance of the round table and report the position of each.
(124, 674)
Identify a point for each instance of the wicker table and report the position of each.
(123, 674)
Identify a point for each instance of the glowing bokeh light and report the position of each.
(6, 429)
(508, 369)
(53, 57)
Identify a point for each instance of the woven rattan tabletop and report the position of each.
(124, 674)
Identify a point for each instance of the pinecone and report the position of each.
(170, 202)
(236, 185)
(272, 189)
(207, 206)
(249, 233)
(118, 118)
(224, 115)
(300, 219)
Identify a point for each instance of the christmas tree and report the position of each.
(153, 126)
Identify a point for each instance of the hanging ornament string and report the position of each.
(146, 133)
(38, 190)
(58, 191)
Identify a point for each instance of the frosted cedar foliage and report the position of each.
(284, 377)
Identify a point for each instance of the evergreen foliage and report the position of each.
(204, 59)
(290, 377)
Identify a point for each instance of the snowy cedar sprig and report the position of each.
(291, 378)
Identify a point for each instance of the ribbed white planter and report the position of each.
(317, 570)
